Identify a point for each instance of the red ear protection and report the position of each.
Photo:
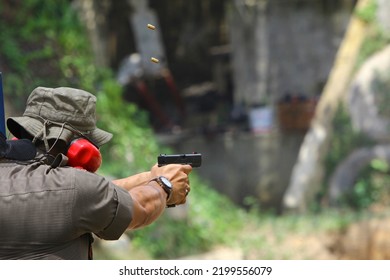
(83, 154)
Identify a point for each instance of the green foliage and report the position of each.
(212, 219)
(372, 187)
(375, 41)
(345, 139)
(32, 47)
(368, 13)
(376, 38)
(134, 147)
(372, 184)
(52, 49)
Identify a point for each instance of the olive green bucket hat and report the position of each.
(53, 113)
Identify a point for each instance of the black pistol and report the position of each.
(194, 159)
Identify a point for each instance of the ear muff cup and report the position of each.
(84, 155)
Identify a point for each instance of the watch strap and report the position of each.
(166, 188)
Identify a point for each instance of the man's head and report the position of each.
(59, 114)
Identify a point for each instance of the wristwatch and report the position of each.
(165, 184)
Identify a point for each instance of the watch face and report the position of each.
(166, 182)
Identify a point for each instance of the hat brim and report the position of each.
(34, 127)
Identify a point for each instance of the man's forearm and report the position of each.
(149, 202)
(133, 181)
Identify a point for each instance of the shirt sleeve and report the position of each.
(101, 206)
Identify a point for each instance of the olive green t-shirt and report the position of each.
(49, 213)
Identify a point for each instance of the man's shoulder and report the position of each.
(34, 177)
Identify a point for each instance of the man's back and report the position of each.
(49, 213)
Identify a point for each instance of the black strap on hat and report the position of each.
(21, 149)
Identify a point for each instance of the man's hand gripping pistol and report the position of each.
(195, 160)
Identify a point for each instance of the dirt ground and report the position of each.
(366, 240)
(294, 247)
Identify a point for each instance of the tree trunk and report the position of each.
(94, 15)
(308, 171)
(249, 52)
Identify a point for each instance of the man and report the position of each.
(48, 209)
